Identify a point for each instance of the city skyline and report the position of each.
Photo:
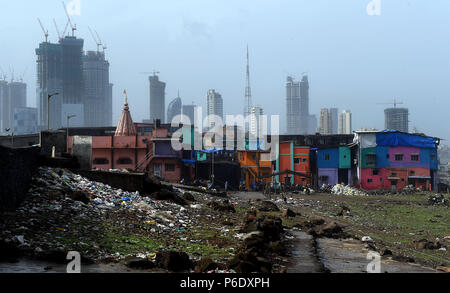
(373, 57)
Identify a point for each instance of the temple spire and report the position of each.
(126, 126)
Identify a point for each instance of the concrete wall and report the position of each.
(82, 150)
(17, 167)
(20, 140)
(58, 139)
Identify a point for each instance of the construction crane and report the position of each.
(395, 103)
(104, 47)
(97, 41)
(154, 73)
(74, 27)
(57, 30)
(44, 30)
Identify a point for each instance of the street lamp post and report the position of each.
(48, 109)
(67, 132)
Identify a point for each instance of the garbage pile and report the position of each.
(340, 189)
(438, 199)
(410, 189)
(65, 211)
(326, 188)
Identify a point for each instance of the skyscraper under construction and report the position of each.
(397, 119)
(157, 98)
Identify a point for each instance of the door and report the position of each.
(157, 170)
(394, 185)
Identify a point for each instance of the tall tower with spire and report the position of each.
(126, 125)
(248, 90)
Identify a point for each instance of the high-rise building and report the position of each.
(12, 95)
(304, 105)
(189, 111)
(174, 109)
(397, 119)
(325, 122)
(255, 113)
(4, 105)
(49, 81)
(97, 90)
(345, 122)
(25, 120)
(312, 124)
(334, 117)
(292, 106)
(214, 107)
(157, 99)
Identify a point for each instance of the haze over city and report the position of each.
(353, 60)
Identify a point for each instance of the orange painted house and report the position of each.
(294, 158)
(249, 161)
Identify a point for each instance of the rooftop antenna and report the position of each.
(43, 30)
(74, 27)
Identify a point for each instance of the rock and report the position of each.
(254, 239)
(165, 194)
(272, 228)
(425, 244)
(289, 213)
(139, 263)
(173, 261)
(188, 196)
(204, 265)
(222, 207)
(345, 211)
(268, 206)
(330, 230)
(385, 252)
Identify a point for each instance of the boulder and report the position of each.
(173, 261)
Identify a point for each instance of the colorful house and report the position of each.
(293, 163)
(392, 160)
(256, 167)
(334, 165)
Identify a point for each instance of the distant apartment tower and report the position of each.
(312, 124)
(304, 105)
(25, 120)
(12, 95)
(174, 109)
(345, 122)
(214, 107)
(189, 111)
(292, 106)
(334, 120)
(98, 90)
(49, 81)
(325, 122)
(397, 118)
(255, 124)
(157, 99)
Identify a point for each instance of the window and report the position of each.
(433, 157)
(327, 157)
(415, 158)
(305, 160)
(375, 172)
(381, 179)
(296, 161)
(399, 157)
(170, 167)
(371, 160)
(393, 174)
(101, 161)
(369, 180)
(124, 161)
(387, 156)
(412, 173)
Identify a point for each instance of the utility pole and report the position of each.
(48, 108)
(67, 133)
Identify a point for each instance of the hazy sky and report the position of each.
(354, 60)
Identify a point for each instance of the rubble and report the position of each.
(438, 199)
(340, 189)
